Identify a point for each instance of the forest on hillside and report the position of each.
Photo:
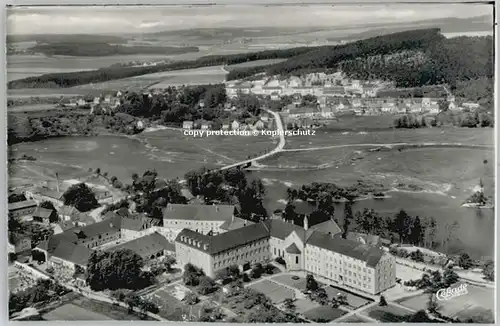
(101, 49)
(410, 59)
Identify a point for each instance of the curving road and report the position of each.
(279, 148)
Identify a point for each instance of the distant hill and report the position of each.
(446, 25)
(410, 58)
(66, 38)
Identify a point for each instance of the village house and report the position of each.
(301, 111)
(320, 251)
(44, 215)
(97, 100)
(275, 96)
(203, 218)
(40, 194)
(206, 125)
(259, 125)
(470, 105)
(433, 108)
(22, 208)
(138, 226)
(235, 125)
(19, 243)
(187, 125)
(328, 112)
(225, 126)
(426, 102)
(81, 102)
(148, 247)
(294, 82)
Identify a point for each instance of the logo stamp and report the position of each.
(451, 292)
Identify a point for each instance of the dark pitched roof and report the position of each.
(22, 204)
(89, 231)
(198, 212)
(77, 254)
(224, 241)
(371, 255)
(235, 223)
(131, 224)
(43, 212)
(147, 245)
(292, 249)
(281, 229)
(328, 227)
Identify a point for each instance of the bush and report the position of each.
(382, 301)
(280, 261)
(246, 278)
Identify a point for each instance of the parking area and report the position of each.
(276, 292)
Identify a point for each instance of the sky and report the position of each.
(112, 20)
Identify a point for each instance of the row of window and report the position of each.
(236, 260)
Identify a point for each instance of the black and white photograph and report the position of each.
(250, 163)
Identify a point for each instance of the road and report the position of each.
(279, 148)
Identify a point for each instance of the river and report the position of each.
(172, 155)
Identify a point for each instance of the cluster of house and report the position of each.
(213, 238)
(329, 107)
(263, 121)
(105, 101)
(317, 84)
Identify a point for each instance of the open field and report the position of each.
(304, 305)
(70, 312)
(477, 298)
(355, 319)
(472, 136)
(277, 293)
(255, 63)
(324, 314)
(198, 76)
(378, 312)
(31, 108)
(45, 92)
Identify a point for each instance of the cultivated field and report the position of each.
(255, 63)
(31, 108)
(70, 312)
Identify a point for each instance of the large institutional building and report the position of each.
(318, 250)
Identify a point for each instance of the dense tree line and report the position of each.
(57, 80)
(101, 49)
(81, 197)
(120, 269)
(459, 119)
(229, 187)
(154, 194)
(22, 128)
(176, 105)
